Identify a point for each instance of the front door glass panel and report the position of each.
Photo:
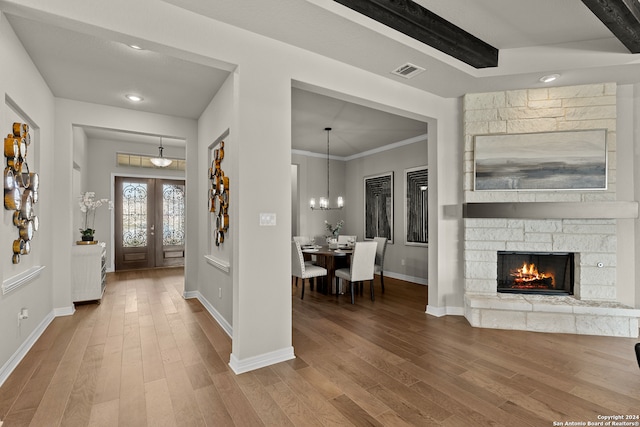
(173, 214)
(134, 214)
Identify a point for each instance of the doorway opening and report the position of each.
(149, 222)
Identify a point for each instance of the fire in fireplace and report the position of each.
(547, 273)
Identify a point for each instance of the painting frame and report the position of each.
(378, 206)
(416, 209)
(541, 161)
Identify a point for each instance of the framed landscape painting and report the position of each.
(565, 160)
(378, 206)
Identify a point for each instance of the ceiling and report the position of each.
(533, 38)
(355, 128)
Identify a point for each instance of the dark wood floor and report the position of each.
(146, 356)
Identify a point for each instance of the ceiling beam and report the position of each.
(622, 18)
(421, 24)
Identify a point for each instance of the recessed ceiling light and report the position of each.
(134, 98)
(549, 78)
(135, 46)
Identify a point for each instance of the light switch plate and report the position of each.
(267, 219)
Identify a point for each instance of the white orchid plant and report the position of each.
(334, 230)
(88, 205)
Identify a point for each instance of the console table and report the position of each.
(88, 272)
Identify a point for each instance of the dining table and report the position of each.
(331, 259)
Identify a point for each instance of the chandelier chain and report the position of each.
(328, 130)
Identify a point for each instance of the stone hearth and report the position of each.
(545, 313)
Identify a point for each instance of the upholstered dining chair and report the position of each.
(299, 269)
(380, 251)
(361, 269)
(638, 353)
(305, 240)
(344, 239)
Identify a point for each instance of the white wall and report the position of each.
(635, 112)
(215, 285)
(628, 188)
(312, 182)
(26, 97)
(415, 258)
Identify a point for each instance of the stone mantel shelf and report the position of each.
(553, 210)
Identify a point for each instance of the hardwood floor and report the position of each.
(146, 356)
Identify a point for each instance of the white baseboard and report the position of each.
(22, 351)
(251, 363)
(226, 326)
(444, 311)
(257, 362)
(64, 311)
(399, 276)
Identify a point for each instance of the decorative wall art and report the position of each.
(566, 160)
(219, 195)
(416, 191)
(20, 189)
(378, 206)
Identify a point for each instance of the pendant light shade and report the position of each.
(324, 201)
(160, 161)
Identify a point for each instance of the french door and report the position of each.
(149, 223)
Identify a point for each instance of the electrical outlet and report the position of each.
(402, 261)
(219, 292)
(23, 314)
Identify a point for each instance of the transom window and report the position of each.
(143, 161)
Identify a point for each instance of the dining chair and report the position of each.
(361, 269)
(305, 240)
(344, 239)
(299, 269)
(637, 347)
(379, 265)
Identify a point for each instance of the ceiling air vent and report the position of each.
(407, 70)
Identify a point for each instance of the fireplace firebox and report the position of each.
(546, 273)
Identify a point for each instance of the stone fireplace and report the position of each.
(579, 226)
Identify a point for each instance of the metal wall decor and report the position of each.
(219, 195)
(20, 188)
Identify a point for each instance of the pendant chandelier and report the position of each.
(324, 201)
(160, 161)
